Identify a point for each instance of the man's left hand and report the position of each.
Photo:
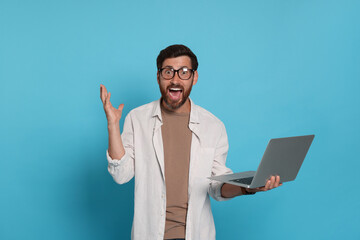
(272, 183)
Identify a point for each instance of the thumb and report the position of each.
(121, 106)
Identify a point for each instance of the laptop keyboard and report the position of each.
(246, 181)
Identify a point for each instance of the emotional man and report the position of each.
(172, 146)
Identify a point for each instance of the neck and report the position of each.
(185, 108)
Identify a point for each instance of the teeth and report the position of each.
(175, 89)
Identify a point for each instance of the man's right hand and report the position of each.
(116, 149)
(113, 115)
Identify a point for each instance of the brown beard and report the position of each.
(176, 105)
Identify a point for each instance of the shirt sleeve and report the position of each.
(219, 167)
(122, 170)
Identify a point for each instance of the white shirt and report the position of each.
(144, 159)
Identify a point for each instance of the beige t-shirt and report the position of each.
(177, 143)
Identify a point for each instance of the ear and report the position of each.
(158, 77)
(196, 75)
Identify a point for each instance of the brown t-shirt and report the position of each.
(177, 143)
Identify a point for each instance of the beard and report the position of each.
(184, 95)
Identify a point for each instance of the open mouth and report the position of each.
(175, 93)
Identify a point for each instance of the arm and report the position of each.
(116, 149)
(120, 161)
(219, 168)
(229, 190)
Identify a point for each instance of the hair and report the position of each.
(176, 50)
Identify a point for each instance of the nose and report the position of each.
(175, 79)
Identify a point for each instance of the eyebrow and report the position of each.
(168, 66)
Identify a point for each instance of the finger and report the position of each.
(267, 185)
(108, 98)
(105, 97)
(277, 181)
(103, 93)
(121, 106)
(106, 101)
(272, 183)
(103, 87)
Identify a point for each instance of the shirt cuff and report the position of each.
(217, 192)
(114, 162)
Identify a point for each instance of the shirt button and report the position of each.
(162, 195)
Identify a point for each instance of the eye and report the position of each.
(168, 71)
(184, 71)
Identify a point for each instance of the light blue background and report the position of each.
(267, 69)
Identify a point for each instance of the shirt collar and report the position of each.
(194, 116)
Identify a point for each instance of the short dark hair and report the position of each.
(176, 50)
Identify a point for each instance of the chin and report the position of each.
(174, 105)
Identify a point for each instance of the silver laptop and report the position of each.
(283, 157)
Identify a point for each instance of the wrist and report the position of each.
(247, 192)
(112, 126)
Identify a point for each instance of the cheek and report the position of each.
(188, 85)
(163, 85)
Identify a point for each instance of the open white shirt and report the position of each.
(144, 159)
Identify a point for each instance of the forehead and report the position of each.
(177, 62)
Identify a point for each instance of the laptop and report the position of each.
(283, 157)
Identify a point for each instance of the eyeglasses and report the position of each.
(184, 73)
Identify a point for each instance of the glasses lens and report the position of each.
(167, 73)
(184, 73)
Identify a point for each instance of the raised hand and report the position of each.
(113, 115)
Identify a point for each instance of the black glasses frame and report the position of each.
(176, 71)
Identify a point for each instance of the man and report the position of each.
(172, 146)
